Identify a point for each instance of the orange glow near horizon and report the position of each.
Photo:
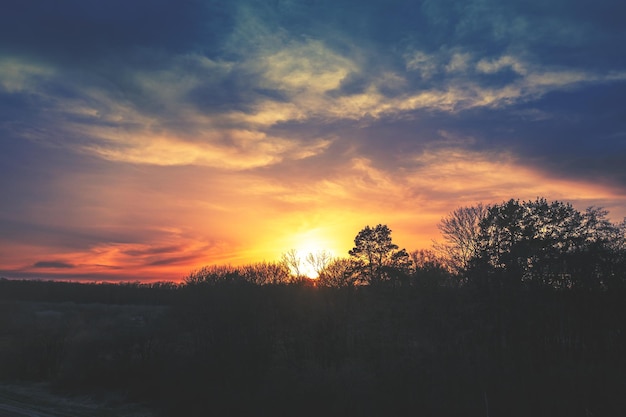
(164, 223)
(277, 137)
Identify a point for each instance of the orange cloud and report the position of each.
(159, 222)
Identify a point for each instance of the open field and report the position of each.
(36, 400)
(293, 349)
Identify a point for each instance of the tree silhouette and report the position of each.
(266, 273)
(260, 273)
(376, 258)
(318, 260)
(460, 231)
(214, 275)
(429, 269)
(541, 243)
(291, 259)
(337, 273)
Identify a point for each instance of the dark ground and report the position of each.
(298, 350)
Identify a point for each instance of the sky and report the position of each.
(140, 140)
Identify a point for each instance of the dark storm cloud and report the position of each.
(80, 31)
(237, 91)
(53, 264)
(574, 134)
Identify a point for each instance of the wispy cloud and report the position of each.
(17, 75)
(137, 141)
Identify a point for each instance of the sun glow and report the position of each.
(311, 250)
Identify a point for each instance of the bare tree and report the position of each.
(319, 260)
(460, 230)
(292, 261)
(338, 272)
(214, 274)
(264, 273)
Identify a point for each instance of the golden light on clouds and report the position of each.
(305, 67)
(262, 137)
(235, 149)
(192, 215)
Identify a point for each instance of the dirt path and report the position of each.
(37, 401)
(7, 410)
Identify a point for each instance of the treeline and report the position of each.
(77, 292)
(507, 246)
(535, 244)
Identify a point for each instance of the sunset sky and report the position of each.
(140, 140)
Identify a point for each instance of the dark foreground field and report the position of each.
(37, 400)
(289, 350)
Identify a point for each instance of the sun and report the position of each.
(311, 258)
(311, 245)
